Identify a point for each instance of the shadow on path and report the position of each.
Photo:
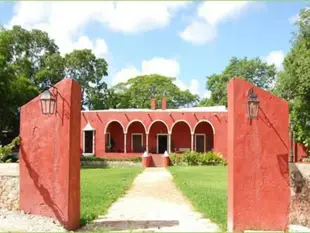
(129, 224)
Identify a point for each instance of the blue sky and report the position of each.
(186, 40)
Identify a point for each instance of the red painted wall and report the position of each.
(180, 136)
(116, 133)
(300, 152)
(135, 127)
(99, 120)
(50, 157)
(258, 150)
(156, 128)
(205, 128)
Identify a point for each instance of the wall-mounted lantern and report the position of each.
(252, 105)
(49, 101)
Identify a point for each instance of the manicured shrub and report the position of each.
(94, 158)
(197, 159)
(6, 151)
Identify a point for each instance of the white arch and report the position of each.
(136, 120)
(155, 122)
(190, 128)
(213, 129)
(107, 125)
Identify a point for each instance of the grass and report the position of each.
(206, 188)
(101, 187)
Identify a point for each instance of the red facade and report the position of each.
(130, 132)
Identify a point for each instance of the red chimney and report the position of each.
(164, 103)
(153, 103)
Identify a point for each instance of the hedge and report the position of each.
(197, 159)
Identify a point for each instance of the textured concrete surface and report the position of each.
(9, 169)
(49, 157)
(153, 204)
(9, 192)
(300, 190)
(258, 187)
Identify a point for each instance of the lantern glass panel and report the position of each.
(44, 107)
(253, 110)
(52, 106)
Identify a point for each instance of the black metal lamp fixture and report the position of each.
(253, 104)
(49, 100)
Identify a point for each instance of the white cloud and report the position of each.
(199, 32)
(210, 14)
(293, 19)
(215, 12)
(276, 58)
(207, 94)
(64, 20)
(194, 86)
(124, 74)
(163, 66)
(157, 65)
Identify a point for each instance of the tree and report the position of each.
(254, 70)
(30, 60)
(83, 66)
(137, 92)
(23, 57)
(293, 83)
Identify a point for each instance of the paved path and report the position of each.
(9, 169)
(153, 204)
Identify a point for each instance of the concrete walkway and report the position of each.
(9, 169)
(153, 204)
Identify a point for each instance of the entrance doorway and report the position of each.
(200, 143)
(162, 143)
(137, 142)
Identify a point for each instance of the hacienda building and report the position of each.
(128, 133)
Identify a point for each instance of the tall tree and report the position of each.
(253, 70)
(293, 83)
(23, 56)
(136, 92)
(88, 70)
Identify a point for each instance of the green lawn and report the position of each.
(206, 188)
(101, 187)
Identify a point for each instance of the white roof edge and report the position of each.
(196, 109)
(88, 127)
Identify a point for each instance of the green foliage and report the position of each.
(101, 187)
(6, 150)
(94, 158)
(88, 70)
(293, 83)
(30, 60)
(206, 189)
(137, 92)
(252, 70)
(197, 159)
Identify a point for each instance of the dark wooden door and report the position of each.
(137, 142)
(88, 143)
(200, 143)
(162, 143)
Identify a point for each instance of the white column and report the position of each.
(192, 142)
(169, 143)
(147, 143)
(125, 143)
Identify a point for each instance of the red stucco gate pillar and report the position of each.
(50, 157)
(258, 187)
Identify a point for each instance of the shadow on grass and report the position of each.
(121, 225)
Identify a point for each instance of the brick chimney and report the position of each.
(164, 103)
(153, 103)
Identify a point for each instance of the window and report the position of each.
(108, 139)
(88, 142)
